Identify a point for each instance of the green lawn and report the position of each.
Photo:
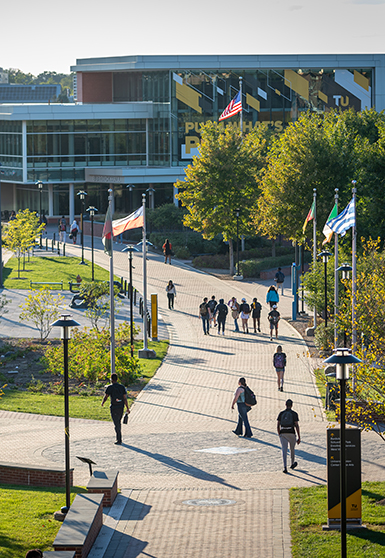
(308, 508)
(26, 518)
(50, 268)
(81, 406)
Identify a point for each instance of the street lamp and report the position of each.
(131, 190)
(151, 197)
(92, 211)
(82, 196)
(65, 323)
(345, 268)
(341, 358)
(39, 184)
(325, 255)
(131, 294)
(237, 212)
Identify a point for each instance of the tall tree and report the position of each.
(224, 178)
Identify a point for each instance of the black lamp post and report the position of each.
(82, 196)
(345, 268)
(65, 322)
(39, 184)
(237, 212)
(325, 255)
(92, 211)
(131, 293)
(341, 358)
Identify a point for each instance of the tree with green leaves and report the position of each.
(41, 308)
(21, 233)
(223, 178)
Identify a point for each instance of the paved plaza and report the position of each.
(190, 487)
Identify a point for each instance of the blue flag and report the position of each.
(344, 220)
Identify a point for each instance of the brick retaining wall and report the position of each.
(31, 475)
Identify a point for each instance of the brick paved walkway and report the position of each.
(178, 444)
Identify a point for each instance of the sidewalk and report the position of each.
(178, 448)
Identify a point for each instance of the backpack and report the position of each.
(287, 420)
(212, 304)
(280, 277)
(203, 309)
(273, 318)
(246, 308)
(250, 398)
(279, 360)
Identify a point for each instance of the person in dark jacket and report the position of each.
(118, 395)
(167, 251)
(220, 313)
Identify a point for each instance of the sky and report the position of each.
(42, 35)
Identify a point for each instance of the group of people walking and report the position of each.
(62, 228)
(214, 314)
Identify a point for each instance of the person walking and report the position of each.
(234, 307)
(62, 229)
(280, 279)
(273, 316)
(245, 315)
(256, 309)
(118, 397)
(204, 314)
(212, 304)
(167, 251)
(279, 363)
(222, 311)
(287, 425)
(74, 230)
(171, 294)
(243, 409)
(272, 296)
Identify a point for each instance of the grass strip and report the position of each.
(308, 512)
(26, 518)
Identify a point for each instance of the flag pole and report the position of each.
(241, 112)
(112, 294)
(315, 248)
(145, 347)
(336, 301)
(354, 283)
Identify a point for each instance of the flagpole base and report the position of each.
(146, 353)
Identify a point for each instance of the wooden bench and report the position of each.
(32, 475)
(81, 525)
(59, 554)
(104, 483)
(60, 283)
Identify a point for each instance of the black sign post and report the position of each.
(353, 478)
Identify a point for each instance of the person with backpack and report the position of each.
(279, 278)
(243, 409)
(118, 396)
(204, 314)
(222, 310)
(287, 425)
(234, 307)
(279, 363)
(256, 309)
(62, 229)
(212, 304)
(244, 309)
(74, 231)
(272, 296)
(274, 316)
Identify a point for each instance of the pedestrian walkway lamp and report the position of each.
(131, 190)
(346, 269)
(65, 322)
(342, 358)
(92, 211)
(82, 196)
(39, 184)
(325, 255)
(129, 249)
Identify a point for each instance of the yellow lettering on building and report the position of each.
(191, 143)
(189, 126)
(278, 126)
(247, 127)
(344, 101)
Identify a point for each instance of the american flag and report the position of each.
(233, 108)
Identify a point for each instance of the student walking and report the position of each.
(234, 307)
(243, 409)
(212, 304)
(280, 279)
(272, 296)
(118, 396)
(256, 314)
(171, 294)
(62, 229)
(279, 363)
(287, 425)
(167, 251)
(74, 231)
(204, 314)
(245, 315)
(221, 310)
(274, 316)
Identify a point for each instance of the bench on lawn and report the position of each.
(104, 482)
(32, 475)
(59, 554)
(81, 525)
(60, 283)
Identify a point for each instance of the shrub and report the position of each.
(324, 337)
(252, 268)
(181, 252)
(42, 309)
(219, 261)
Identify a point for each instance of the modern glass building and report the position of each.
(135, 124)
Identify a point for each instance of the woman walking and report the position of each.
(74, 230)
(222, 310)
(279, 363)
(256, 314)
(234, 307)
(243, 409)
(272, 296)
(171, 294)
(245, 315)
(167, 251)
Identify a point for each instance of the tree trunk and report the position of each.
(231, 256)
(273, 248)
